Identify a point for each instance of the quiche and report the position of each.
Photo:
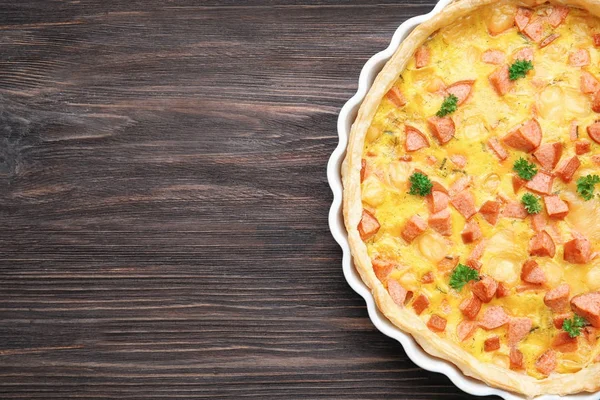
(472, 192)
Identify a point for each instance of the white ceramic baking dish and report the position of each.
(336, 224)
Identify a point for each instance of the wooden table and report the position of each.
(163, 202)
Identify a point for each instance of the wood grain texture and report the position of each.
(163, 202)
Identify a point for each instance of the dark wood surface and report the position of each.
(163, 202)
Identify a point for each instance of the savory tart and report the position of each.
(472, 192)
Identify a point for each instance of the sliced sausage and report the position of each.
(441, 222)
(502, 291)
(470, 307)
(578, 251)
(526, 137)
(382, 268)
(591, 335)
(368, 225)
(556, 207)
(541, 245)
(548, 155)
(471, 232)
(538, 222)
(535, 29)
(465, 329)
(428, 277)
(490, 210)
(541, 183)
(557, 299)
(459, 160)
(415, 139)
(518, 328)
(564, 343)
(464, 202)
(557, 15)
(526, 54)
(420, 304)
(413, 228)
(587, 306)
(582, 147)
(523, 17)
(500, 81)
(596, 103)
(559, 319)
(437, 323)
(517, 183)
(491, 344)
(594, 131)
(397, 292)
(485, 289)
(588, 83)
(363, 170)
(494, 317)
(516, 359)
(532, 273)
(579, 58)
(448, 263)
(478, 250)
(546, 363)
(596, 39)
(493, 57)
(442, 128)
(437, 201)
(515, 209)
(549, 39)
(462, 90)
(567, 168)
(396, 97)
(422, 57)
(459, 185)
(497, 148)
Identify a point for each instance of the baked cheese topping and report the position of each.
(480, 187)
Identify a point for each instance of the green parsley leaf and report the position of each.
(420, 184)
(461, 275)
(519, 69)
(573, 326)
(585, 186)
(532, 203)
(525, 169)
(448, 106)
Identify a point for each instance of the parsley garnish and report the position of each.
(525, 169)
(420, 184)
(573, 326)
(461, 275)
(448, 106)
(585, 186)
(532, 203)
(519, 69)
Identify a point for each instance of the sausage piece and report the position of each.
(548, 155)
(420, 304)
(464, 202)
(436, 323)
(555, 207)
(471, 232)
(442, 128)
(587, 306)
(546, 363)
(567, 168)
(396, 97)
(413, 228)
(578, 251)
(397, 292)
(518, 328)
(490, 210)
(368, 225)
(557, 299)
(485, 289)
(497, 148)
(500, 81)
(470, 307)
(494, 317)
(541, 183)
(462, 90)
(594, 130)
(541, 245)
(491, 343)
(415, 139)
(526, 137)
(441, 222)
(532, 273)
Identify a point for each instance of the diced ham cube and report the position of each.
(500, 81)
(582, 147)
(517, 183)
(538, 222)
(485, 289)
(526, 137)
(494, 317)
(470, 307)
(465, 329)
(493, 57)
(549, 39)
(464, 202)
(546, 363)
(579, 58)
(368, 225)
(518, 328)
(382, 268)
(532, 273)
(542, 245)
(594, 131)
(557, 15)
(556, 207)
(459, 160)
(534, 29)
(523, 17)
(420, 304)
(396, 97)
(461, 89)
(437, 323)
(428, 277)
(557, 299)
(588, 83)
(541, 183)
(397, 292)
(490, 211)
(578, 251)
(526, 54)
(564, 343)
(422, 57)
(567, 168)
(497, 148)
(587, 306)
(515, 209)
(502, 290)
(437, 201)
(415, 139)
(413, 228)
(548, 155)
(516, 359)
(442, 128)
(491, 343)
(441, 222)
(471, 232)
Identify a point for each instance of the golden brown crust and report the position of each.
(587, 379)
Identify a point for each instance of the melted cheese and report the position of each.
(552, 91)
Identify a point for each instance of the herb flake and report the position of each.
(420, 184)
(525, 169)
(585, 186)
(448, 106)
(573, 326)
(519, 69)
(532, 203)
(461, 275)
